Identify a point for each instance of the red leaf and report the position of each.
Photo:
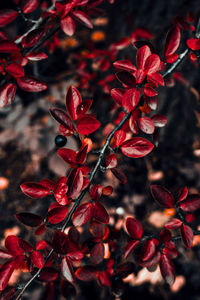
(172, 40)
(68, 155)
(100, 213)
(162, 196)
(142, 54)
(193, 44)
(33, 37)
(130, 99)
(146, 125)
(36, 56)
(159, 120)
(31, 84)
(150, 92)
(136, 147)
(7, 16)
(117, 95)
(41, 245)
(187, 235)
(5, 273)
(153, 261)
(119, 174)
(134, 228)
(12, 245)
(156, 78)
(119, 137)
(37, 259)
(83, 107)
(192, 203)
(124, 65)
(111, 161)
(148, 250)
(73, 99)
(167, 269)
(86, 273)
(107, 190)
(67, 270)
(95, 192)
(15, 70)
(56, 215)
(34, 190)
(28, 6)
(82, 155)
(68, 25)
(82, 214)
(75, 183)
(173, 224)
(80, 16)
(88, 124)
(152, 64)
(183, 194)
(125, 269)
(131, 245)
(97, 254)
(126, 78)
(8, 47)
(62, 118)
(29, 219)
(7, 94)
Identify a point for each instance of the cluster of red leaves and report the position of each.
(161, 249)
(18, 56)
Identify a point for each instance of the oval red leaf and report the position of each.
(56, 215)
(130, 99)
(29, 219)
(7, 94)
(134, 228)
(192, 203)
(88, 124)
(162, 196)
(172, 40)
(82, 214)
(34, 190)
(187, 235)
(5, 273)
(75, 183)
(31, 84)
(37, 259)
(62, 118)
(73, 99)
(142, 54)
(136, 147)
(146, 125)
(68, 25)
(68, 155)
(167, 269)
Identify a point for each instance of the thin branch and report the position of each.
(175, 65)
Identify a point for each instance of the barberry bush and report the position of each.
(79, 233)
